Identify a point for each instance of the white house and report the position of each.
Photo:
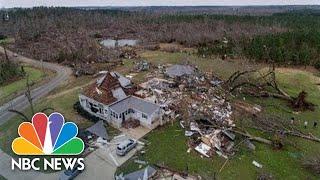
(112, 99)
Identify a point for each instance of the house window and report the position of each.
(100, 108)
(87, 104)
(144, 116)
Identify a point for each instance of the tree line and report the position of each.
(298, 45)
(58, 34)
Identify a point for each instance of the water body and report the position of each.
(111, 43)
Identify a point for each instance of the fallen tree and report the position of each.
(258, 84)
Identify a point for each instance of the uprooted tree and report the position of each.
(264, 84)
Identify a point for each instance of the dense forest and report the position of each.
(70, 35)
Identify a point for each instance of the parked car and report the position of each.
(69, 174)
(124, 147)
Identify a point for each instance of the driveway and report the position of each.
(137, 132)
(103, 162)
(20, 103)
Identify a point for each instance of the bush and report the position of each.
(84, 113)
(97, 36)
(317, 64)
(8, 71)
(2, 37)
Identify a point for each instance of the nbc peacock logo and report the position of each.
(48, 136)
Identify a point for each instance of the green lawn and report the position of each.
(168, 145)
(2, 178)
(11, 90)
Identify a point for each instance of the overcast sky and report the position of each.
(31, 3)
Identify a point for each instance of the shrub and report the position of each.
(84, 113)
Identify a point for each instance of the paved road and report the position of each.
(20, 103)
(5, 171)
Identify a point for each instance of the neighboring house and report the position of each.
(99, 130)
(179, 70)
(112, 99)
(143, 174)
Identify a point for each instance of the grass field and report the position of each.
(9, 91)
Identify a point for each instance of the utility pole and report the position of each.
(28, 95)
(5, 52)
(42, 68)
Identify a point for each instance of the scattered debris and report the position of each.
(131, 123)
(140, 162)
(141, 66)
(257, 164)
(249, 145)
(203, 149)
(128, 53)
(164, 172)
(188, 133)
(182, 124)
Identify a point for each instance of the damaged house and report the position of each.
(112, 99)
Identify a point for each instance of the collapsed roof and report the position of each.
(110, 88)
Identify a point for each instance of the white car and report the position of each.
(125, 146)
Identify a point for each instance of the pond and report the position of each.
(111, 43)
